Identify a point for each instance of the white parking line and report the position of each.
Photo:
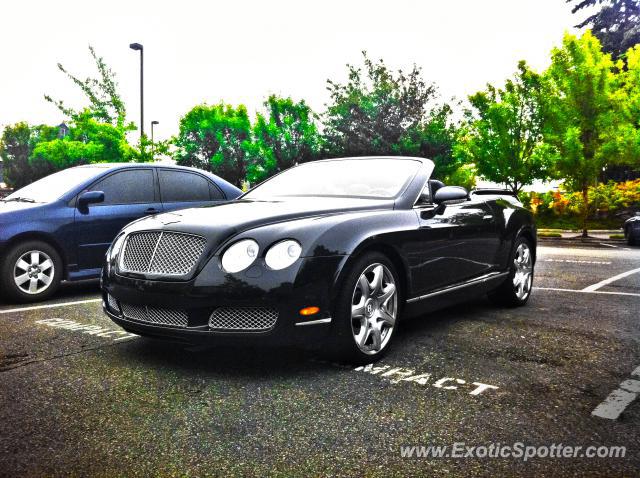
(600, 284)
(619, 399)
(97, 330)
(572, 261)
(583, 291)
(614, 404)
(49, 306)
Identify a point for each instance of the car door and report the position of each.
(181, 189)
(454, 242)
(128, 195)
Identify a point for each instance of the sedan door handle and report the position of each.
(152, 210)
(487, 217)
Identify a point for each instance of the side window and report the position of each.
(181, 186)
(127, 187)
(216, 193)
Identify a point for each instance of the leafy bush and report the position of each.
(610, 203)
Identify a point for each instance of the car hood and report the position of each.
(8, 207)
(221, 222)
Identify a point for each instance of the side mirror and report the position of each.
(450, 193)
(90, 197)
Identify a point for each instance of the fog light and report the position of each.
(309, 311)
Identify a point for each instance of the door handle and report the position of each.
(487, 217)
(152, 210)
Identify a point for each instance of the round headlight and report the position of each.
(283, 254)
(240, 256)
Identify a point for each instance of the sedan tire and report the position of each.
(367, 310)
(516, 289)
(31, 272)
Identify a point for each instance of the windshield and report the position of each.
(52, 187)
(353, 178)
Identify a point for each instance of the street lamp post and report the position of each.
(153, 144)
(138, 47)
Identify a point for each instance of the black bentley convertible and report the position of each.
(328, 254)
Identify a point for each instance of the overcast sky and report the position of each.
(240, 51)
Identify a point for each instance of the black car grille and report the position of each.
(243, 318)
(164, 253)
(155, 315)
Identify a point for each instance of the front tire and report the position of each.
(367, 309)
(516, 289)
(31, 272)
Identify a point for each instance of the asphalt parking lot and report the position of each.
(78, 400)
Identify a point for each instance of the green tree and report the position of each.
(215, 138)
(374, 111)
(16, 147)
(616, 24)
(287, 134)
(580, 118)
(434, 138)
(105, 102)
(378, 112)
(504, 135)
(88, 141)
(625, 148)
(97, 131)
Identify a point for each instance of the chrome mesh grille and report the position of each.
(165, 253)
(113, 303)
(139, 250)
(243, 318)
(155, 315)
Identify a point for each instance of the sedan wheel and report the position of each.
(374, 308)
(523, 276)
(33, 272)
(30, 271)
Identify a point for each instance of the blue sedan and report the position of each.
(59, 228)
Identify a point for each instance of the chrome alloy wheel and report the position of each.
(523, 276)
(33, 272)
(374, 308)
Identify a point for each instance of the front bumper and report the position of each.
(308, 282)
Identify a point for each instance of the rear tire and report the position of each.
(516, 289)
(30, 272)
(367, 311)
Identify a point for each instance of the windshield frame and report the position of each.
(401, 190)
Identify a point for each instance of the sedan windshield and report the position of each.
(52, 187)
(353, 178)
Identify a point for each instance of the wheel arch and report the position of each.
(388, 251)
(530, 235)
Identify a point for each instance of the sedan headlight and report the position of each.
(240, 255)
(283, 254)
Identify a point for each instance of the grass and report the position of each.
(549, 234)
(616, 236)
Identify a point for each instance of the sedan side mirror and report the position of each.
(450, 193)
(90, 197)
